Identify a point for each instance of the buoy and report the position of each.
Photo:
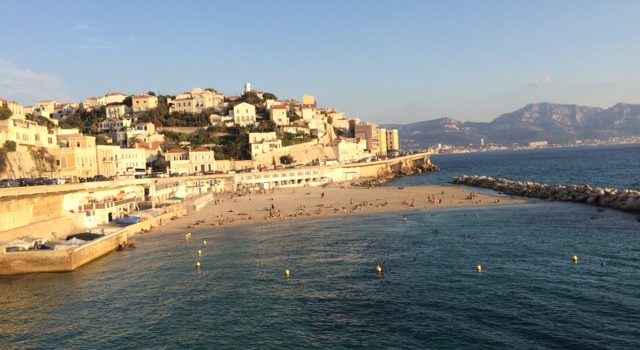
(287, 273)
(199, 252)
(204, 243)
(479, 268)
(198, 264)
(575, 259)
(379, 269)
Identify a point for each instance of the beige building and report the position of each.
(350, 150)
(383, 142)
(17, 110)
(309, 100)
(112, 97)
(90, 103)
(114, 161)
(114, 124)
(27, 133)
(308, 112)
(393, 140)
(196, 101)
(278, 114)
(263, 142)
(76, 156)
(141, 103)
(243, 114)
(117, 110)
(63, 110)
(185, 161)
(45, 108)
(371, 134)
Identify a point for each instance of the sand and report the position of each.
(331, 201)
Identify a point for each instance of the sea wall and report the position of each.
(627, 200)
(17, 263)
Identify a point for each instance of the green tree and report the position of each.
(151, 93)
(286, 159)
(128, 101)
(269, 96)
(251, 97)
(5, 113)
(159, 164)
(10, 146)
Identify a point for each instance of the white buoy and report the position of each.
(199, 253)
(479, 268)
(287, 273)
(575, 259)
(204, 243)
(379, 269)
(198, 264)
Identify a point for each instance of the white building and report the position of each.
(278, 114)
(112, 97)
(263, 142)
(196, 101)
(308, 112)
(117, 110)
(243, 114)
(185, 161)
(114, 161)
(114, 124)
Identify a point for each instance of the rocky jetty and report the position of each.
(627, 200)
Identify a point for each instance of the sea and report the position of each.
(530, 295)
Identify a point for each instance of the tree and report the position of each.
(102, 140)
(151, 93)
(269, 96)
(128, 101)
(5, 113)
(266, 126)
(159, 164)
(251, 97)
(286, 159)
(10, 146)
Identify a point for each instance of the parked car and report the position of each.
(9, 183)
(99, 178)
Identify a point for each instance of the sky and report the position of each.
(383, 61)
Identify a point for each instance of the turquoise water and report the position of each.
(530, 294)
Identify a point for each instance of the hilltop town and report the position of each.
(198, 132)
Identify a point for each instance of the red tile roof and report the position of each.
(278, 107)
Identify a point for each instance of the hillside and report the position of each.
(540, 121)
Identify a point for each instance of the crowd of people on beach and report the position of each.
(326, 206)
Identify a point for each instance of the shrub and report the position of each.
(10, 146)
(286, 159)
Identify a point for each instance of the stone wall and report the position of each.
(627, 200)
(16, 263)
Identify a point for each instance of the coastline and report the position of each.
(340, 200)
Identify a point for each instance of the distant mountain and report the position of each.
(555, 123)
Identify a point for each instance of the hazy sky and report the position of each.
(385, 61)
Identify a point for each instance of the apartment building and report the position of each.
(141, 103)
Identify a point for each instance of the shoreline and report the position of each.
(339, 200)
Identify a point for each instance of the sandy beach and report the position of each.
(331, 201)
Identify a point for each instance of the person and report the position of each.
(404, 218)
(322, 196)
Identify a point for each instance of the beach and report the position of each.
(330, 201)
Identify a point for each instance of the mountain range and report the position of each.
(556, 123)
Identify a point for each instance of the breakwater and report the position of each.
(622, 199)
